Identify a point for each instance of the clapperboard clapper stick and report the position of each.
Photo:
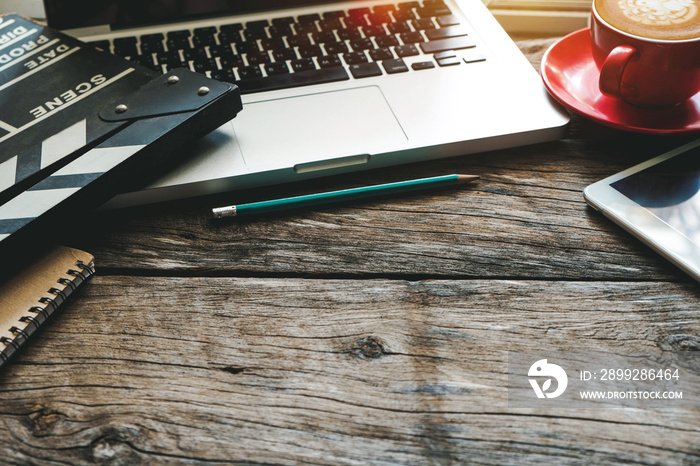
(78, 125)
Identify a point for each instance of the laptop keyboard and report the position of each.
(309, 49)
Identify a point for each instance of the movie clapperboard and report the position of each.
(78, 125)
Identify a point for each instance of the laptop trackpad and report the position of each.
(297, 130)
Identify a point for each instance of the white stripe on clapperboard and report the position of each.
(53, 149)
(31, 204)
(22, 37)
(38, 68)
(2, 25)
(7, 126)
(68, 104)
(8, 172)
(33, 52)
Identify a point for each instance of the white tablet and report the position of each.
(658, 201)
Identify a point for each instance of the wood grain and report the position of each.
(526, 217)
(219, 370)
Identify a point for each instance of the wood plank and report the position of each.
(219, 370)
(525, 218)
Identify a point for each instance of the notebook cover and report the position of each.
(64, 146)
(35, 290)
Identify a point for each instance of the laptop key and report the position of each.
(249, 72)
(334, 14)
(404, 6)
(286, 54)
(399, 27)
(433, 10)
(447, 20)
(303, 64)
(413, 37)
(353, 58)
(125, 46)
(451, 43)
(355, 18)
(365, 70)
(247, 47)
(259, 25)
(334, 48)
(258, 58)
(328, 61)
(447, 58)
(276, 68)
(381, 54)
(305, 28)
(394, 66)
(300, 78)
(203, 65)
(423, 65)
(383, 8)
(226, 75)
(324, 37)
(308, 51)
(379, 18)
(231, 61)
(361, 44)
(328, 24)
(151, 47)
(231, 29)
(283, 22)
(375, 31)
(386, 41)
(254, 34)
(408, 50)
(157, 37)
(205, 31)
(352, 34)
(220, 50)
(403, 14)
(423, 24)
(307, 19)
(449, 31)
(473, 56)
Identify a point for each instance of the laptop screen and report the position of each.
(71, 14)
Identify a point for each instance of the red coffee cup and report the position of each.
(644, 71)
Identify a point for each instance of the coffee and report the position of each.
(655, 19)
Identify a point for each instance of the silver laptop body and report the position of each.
(483, 95)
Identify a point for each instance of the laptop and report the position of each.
(328, 87)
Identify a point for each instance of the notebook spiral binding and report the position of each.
(37, 315)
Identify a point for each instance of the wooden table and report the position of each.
(371, 333)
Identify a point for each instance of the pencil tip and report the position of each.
(461, 179)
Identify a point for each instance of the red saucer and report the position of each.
(571, 76)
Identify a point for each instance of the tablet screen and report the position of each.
(670, 190)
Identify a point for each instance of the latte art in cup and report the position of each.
(655, 19)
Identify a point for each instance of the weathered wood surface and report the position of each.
(293, 370)
(526, 217)
(372, 333)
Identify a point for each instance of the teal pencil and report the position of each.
(343, 195)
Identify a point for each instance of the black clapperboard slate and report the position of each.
(78, 125)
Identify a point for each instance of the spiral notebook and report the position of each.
(35, 291)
